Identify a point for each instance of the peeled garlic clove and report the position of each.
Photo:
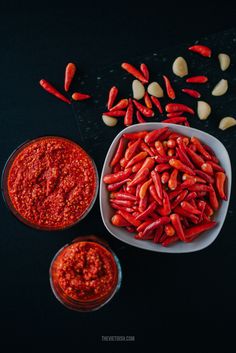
(109, 121)
(138, 89)
(180, 67)
(224, 60)
(221, 88)
(203, 110)
(227, 122)
(154, 89)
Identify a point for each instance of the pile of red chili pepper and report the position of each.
(164, 186)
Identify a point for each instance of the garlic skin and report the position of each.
(180, 67)
(154, 89)
(109, 121)
(224, 60)
(203, 110)
(138, 89)
(220, 89)
(227, 122)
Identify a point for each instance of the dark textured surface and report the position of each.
(185, 302)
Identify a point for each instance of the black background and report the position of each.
(184, 302)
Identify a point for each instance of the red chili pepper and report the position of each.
(207, 168)
(175, 220)
(133, 71)
(145, 71)
(147, 101)
(172, 183)
(52, 90)
(197, 79)
(160, 149)
(129, 218)
(130, 152)
(196, 159)
(114, 178)
(148, 163)
(116, 168)
(208, 210)
(189, 208)
(154, 225)
(122, 104)
(170, 240)
(128, 119)
(119, 152)
(165, 209)
(158, 234)
(171, 143)
(192, 195)
(69, 75)
(164, 136)
(220, 184)
(145, 148)
(135, 135)
(117, 186)
(174, 193)
(123, 162)
(112, 97)
(154, 135)
(191, 92)
(157, 103)
(118, 221)
(162, 167)
(177, 120)
(144, 188)
(140, 176)
(199, 187)
(174, 114)
(77, 96)
(143, 204)
(157, 183)
(137, 158)
(175, 107)
(116, 113)
(169, 230)
(193, 232)
(193, 218)
(151, 208)
(179, 198)
(118, 207)
(180, 166)
(137, 167)
(201, 49)
(165, 177)
(169, 89)
(123, 196)
(123, 203)
(144, 225)
(181, 150)
(187, 183)
(148, 113)
(171, 152)
(200, 147)
(153, 193)
(216, 167)
(139, 117)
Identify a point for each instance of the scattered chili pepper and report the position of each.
(69, 75)
(197, 79)
(172, 183)
(160, 149)
(181, 150)
(145, 71)
(154, 225)
(199, 187)
(153, 193)
(128, 119)
(122, 104)
(143, 204)
(174, 114)
(158, 234)
(220, 184)
(116, 113)
(134, 72)
(157, 103)
(135, 135)
(147, 100)
(201, 49)
(170, 240)
(52, 90)
(112, 97)
(191, 195)
(175, 220)
(124, 203)
(174, 107)
(144, 147)
(216, 167)
(169, 89)
(191, 92)
(180, 166)
(77, 96)
(139, 117)
(165, 209)
(162, 167)
(177, 120)
(157, 183)
(119, 152)
(147, 112)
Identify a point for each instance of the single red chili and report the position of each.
(135, 135)
(144, 225)
(118, 221)
(216, 167)
(118, 207)
(201, 49)
(208, 210)
(170, 240)
(187, 183)
(151, 208)
(177, 120)
(174, 114)
(145, 148)
(112, 97)
(175, 220)
(52, 90)
(200, 147)
(197, 79)
(179, 198)
(165, 209)
(122, 104)
(180, 166)
(128, 119)
(147, 100)
(77, 96)
(220, 184)
(181, 150)
(165, 177)
(119, 152)
(189, 208)
(158, 234)
(207, 168)
(195, 158)
(148, 113)
(169, 230)
(123, 203)
(154, 225)
(136, 167)
(148, 163)
(122, 196)
(143, 204)
(193, 232)
(173, 194)
(117, 186)
(191, 92)
(199, 187)
(134, 72)
(190, 196)
(153, 193)
(137, 158)
(169, 89)
(140, 176)
(145, 71)
(123, 162)
(139, 117)
(69, 75)
(160, 149)
(114, 178)
(162, 167)
(144, 188)
(172, 183)
(157, 103)
(193, 218)
(154, 135)
(129, 218)
(175, 107)
(164, 136)
(157, 183)
(130, 152)
(116, 113)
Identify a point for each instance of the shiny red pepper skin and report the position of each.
(131, 150)
(69, 75)
(122, 104)
(116, 186)
(118, 221)
(52, 90)
(197, 79)
(170, 240)
(137, 158)
(128, 119)
(169, 89)
(201, 49)
(129, 218)
(139, 117)
(112, 97)
(195, 158)
(145, 71)
(147, 112)
(172, 183)
(165, 209)
(114, 178)
(179, 198)
(154, 225)
(154, 135)
(140, 176)
(175, 220)
(119, 152)
(153, 192)
(174, 114)
(157, 183)
(193, 232)
(180, 166)
(157, 103)
(191, 92)
(134, 72)
(189, 208)
(147, 100)
(77, 96)
(151, 208)
(175, 107)
(220, 184)
(176, 120)
(200, 148)
(213, 198)
(116, 113)
(158, 234)
(122, 196)
(135, 135)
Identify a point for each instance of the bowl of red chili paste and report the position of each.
(50, 183)
(85, 274)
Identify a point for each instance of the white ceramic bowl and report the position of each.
(203, 240)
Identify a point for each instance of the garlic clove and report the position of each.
(154, 89)
(203, 110)
(180, 67)
(224, 60)
(109, 121)
(221, 88)
(138, 89)
(227, 122)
